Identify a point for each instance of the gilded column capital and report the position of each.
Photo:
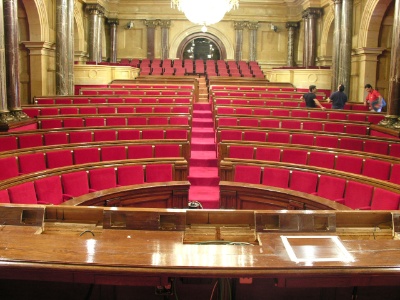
(253, 25)
(113, 21)
(95, 9)
(293, 25)
(336, 2)
(164, 23)
(151, 23)
(239, 25)
(312, 12)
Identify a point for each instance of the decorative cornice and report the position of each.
(239, 25)
(253, 25)
(95, 9)
(151, 23)
(294, 25)
(113, 21)
(164, 23)
(312, 12)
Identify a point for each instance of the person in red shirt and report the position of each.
(373, 99)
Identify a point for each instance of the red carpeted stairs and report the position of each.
(203, 167)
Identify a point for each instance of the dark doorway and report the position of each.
(201, 48)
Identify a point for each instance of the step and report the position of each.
(202, 106)
(208, 196)
(204, 176)
(203, 147)
(203, 159)
(203, 133)
(197, 122)
(202, 114)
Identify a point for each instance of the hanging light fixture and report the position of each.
(205, 12)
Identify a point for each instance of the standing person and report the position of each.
(338, 98)
(374, 100)
(311, 98)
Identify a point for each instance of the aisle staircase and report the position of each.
(203, 164)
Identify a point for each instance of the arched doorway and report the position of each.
(201, 46)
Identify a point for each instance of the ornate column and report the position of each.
(62, 53)
(5, 116)
(113, 39)
(291, 27)
(71, 47)
(394, 78)
(239, 38)
(94, 10)
(100, 40)
(12, 58)
(305, 41)
(346, 25)
(336, 45)
(151, 33)
(313, 14)
(253, 26)
(165, 24)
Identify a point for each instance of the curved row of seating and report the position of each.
(38, 138)
(333, 115)
(356, 193)
(67, 121)
(35, 111)
(58, 188)
(77, 100)
(39, 159)
(134, 92)
(374, 166)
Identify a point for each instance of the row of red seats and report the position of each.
(370, 145)
(78, 100)
(19, 164)
(342, 115)
(314, 125)
(134, 92)
(22, 140)
(68, 122)
(371, 167)
(353, 194)
(57, 189)
(34, 111)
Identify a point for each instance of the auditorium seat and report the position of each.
(30, 163)
(115, 121)
(247, 174)
(294, 156)
(276, 177)
(178, 121)
(349, 164)
(384, 200)
(140, 151)
(75, 184)
(4, 197)
(167, 151)
(321, 159)
(128, 175)
(73, 122)
(86, 155)
(30, 140)
(334, 127)
(326, 141)
(113, 153)
(299, 113)
(303, 182)
(247, 122)
(58, 159)
(159, 173)
(80, 137)
(351, 144)
(9, 167)
(313, 126)
(291, 124)
(242, 152)
(69, 111)
(254, 136)
(55, 138)
(302, 139)
(102, 178)
(376, 169)
(331, 188)
(278, 137)
(395, 174)
(136, 121)
(158, 121)
(49, 190)
(23, 193)
(8, 143)
(94, 121)
(153, 134)
(356, 129)
(227, 122)
(231, 135)
(125, 110)
(105, 135)
(51, 123)
(88, 110)
(270, 154)
(357, 195)
(376, 147)
(176, 134)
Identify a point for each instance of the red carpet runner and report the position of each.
(203, 167)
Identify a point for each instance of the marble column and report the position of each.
(165, 25)
(305, 41)
(291, 27)
(336, 44)
(394, 73)
(94, 10)
(100, 40)
(71, 47)
(313, 14)
(62, 55)
(253, 26)
(346, 30)
(151, 33)
(11, 41)
(113, 39)
(239, 38)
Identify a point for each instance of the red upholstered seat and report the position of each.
(394, 174)
(176, 134)
(8, 143)
(158, 121)
(331, 188)
(128, 134)
(94, 121)
(256, 136)
(356, 129)
(248, 122)
(278, 137)
(80, 137)
(115, 121)
(30, 140)
(321, 159)
(102, 178)
(73, 122)
(271, 154)
(75, 184)
(337, 116)
(312, 125)
(303, 182)
(276, 177)
(327, 141)
(224, 121)
(233, 135)
(318, 114)
(137, 121)
(55, 138)
(23, 193)
(113, 153)
(280, 112)
(291, 124)
(49, 190)
(128, 175)
(294, 156)
(105, 135)
(51, 123)
(351, 144)
(144, 110)
(243, 152)
(349, 164)
(153, 134)
(376, 147)
(159, 173)
(86, 155)
(49, 111)
(140, 151)
(334, 127)
(358, 195)
(247, 174)
(385, 200)
(69, 111)
(302, 139)
(179, 120)
(394, 150)
(376, 169)
(126, 110)
(60, 158)
(4, 198)
(9, 167)
(30, 163)
(167, 151)
(89, 110)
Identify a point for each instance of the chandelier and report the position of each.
(205, 12)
